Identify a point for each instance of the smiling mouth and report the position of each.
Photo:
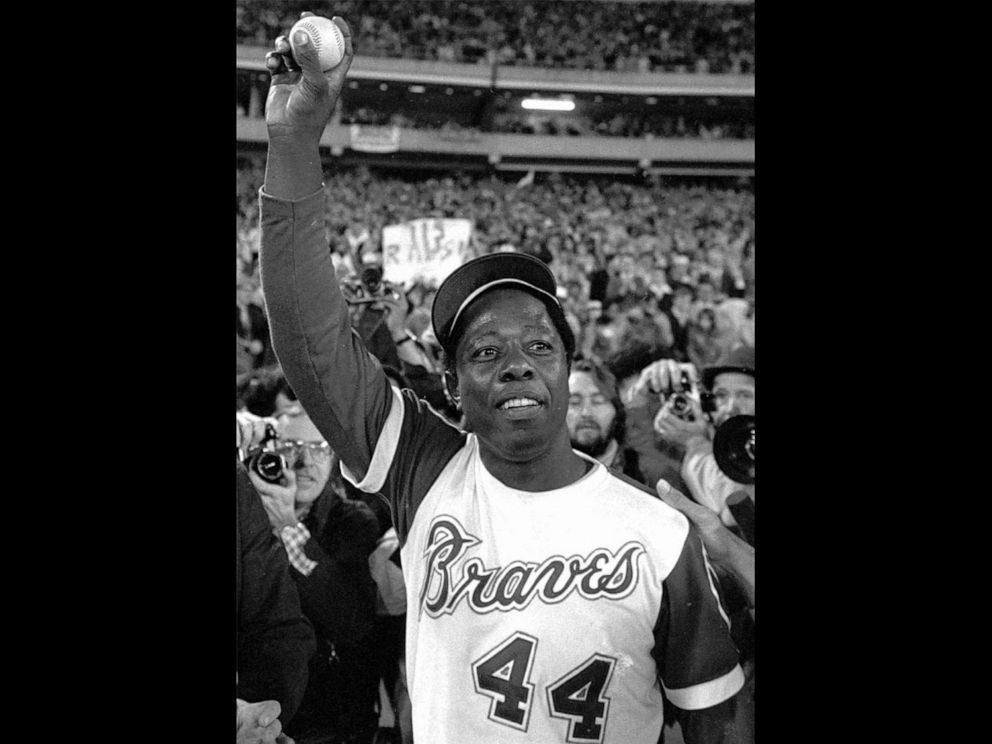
(519, 403)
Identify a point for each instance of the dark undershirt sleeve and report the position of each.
(697, 660)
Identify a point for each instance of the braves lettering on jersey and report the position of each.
(551, 613)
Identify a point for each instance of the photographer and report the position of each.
(366, 295)
(644, 398)
(729, 386)
(380, 312)
(328, 540)
(275, 640)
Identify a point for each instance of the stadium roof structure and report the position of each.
(455, 93)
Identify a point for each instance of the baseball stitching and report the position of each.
(315, 35)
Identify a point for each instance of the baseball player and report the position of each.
(548, 599)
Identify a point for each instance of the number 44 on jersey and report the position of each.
(578, 696)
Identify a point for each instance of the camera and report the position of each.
(371, 279)
(368, 286)
(681, 403)
(265, 463)
(733, 448)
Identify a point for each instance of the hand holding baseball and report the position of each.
(302, 96)
(325, 37)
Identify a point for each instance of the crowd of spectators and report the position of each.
(614, 124)
(665, 265)
(702, 37)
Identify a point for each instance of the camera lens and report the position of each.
(372, 278)
(682, 407)
(733, 448)
(269, 466)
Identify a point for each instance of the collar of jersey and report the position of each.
(494, 484)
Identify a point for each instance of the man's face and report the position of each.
(733, 395)
(512, 374)
(312, 469)
(590, 415)
(704, 292)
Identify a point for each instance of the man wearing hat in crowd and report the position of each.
(730, 386)
(549, 599)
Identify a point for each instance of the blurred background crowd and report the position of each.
(696, 37)
(613, 124)
(668, 266)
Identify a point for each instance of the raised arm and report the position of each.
(339, 383)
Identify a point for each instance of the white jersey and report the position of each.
(544, 616)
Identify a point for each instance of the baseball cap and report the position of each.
(495, 270)
(740, 360)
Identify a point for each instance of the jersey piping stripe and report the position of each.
(709, 693)
(710, 573)
(385, 448)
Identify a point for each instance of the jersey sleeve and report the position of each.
(387, 441)
(339, 383)
(413, 448)
(697, 659)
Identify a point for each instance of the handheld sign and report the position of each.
(427, 249)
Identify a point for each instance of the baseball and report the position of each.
(326, 37)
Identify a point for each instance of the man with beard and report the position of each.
(596, 418)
